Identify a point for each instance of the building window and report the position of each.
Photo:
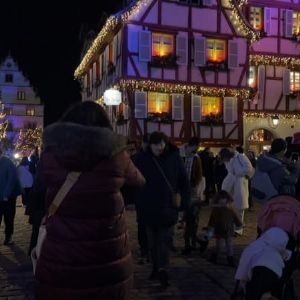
(8, 78)
(252, 79)
(216, 50)
(296, 22)
(21, 95)
(162, 45)
(211, 106)
(158, 103)
(29, 111)
(295, 81)
(256, 17)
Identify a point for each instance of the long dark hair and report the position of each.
(87, 113)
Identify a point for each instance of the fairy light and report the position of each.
(109, 27)
(239, 21)
(150, 85)
(291, 62)
(28, 140)
(265, 115)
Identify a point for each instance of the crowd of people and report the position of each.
(86, 252)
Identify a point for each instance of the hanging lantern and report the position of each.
(112, 97)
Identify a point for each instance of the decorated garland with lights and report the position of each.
(272, 60)
(110, 25)
(150, 85)
(239, 22)
(265, 115)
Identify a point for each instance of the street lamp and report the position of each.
(275, 120)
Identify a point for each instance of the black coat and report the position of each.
(155, 200)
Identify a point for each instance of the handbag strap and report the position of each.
(163, 174)
(71, 179)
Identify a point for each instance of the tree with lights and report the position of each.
(28, 140)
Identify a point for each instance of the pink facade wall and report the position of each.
(174, 15)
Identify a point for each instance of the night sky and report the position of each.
(44, 38)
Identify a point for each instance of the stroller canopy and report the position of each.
(282, 211)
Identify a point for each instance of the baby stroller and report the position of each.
(281, 211)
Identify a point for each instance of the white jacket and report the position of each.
(236, 182)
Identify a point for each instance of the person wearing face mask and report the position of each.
(164, 171)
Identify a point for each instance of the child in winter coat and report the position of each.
(261, 264)
(222, 220)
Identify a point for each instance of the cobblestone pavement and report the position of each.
(191, 278)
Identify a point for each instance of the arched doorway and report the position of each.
(259, 140)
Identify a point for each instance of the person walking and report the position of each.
(193, 166)
(165, 175)
(239, 170)
(9, 191)
(221, 222)
(86, 253)
(25, 178)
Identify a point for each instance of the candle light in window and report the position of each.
(161, 52)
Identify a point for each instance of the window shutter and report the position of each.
(100, 67)
(196, 108)
(199, 51)
(177, 106)
(261, 80)
(182, 50)
(232, 54)
(140, 111)
(144, 45)
(230, 109)
(94, 73)
(288, 22)
(106, 58)
(207, 2)
(286, 82)
(267, 20)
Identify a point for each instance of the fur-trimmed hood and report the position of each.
(81, 147)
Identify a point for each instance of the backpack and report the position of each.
(262, 188)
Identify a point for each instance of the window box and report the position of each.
(293, 95)
(212, 119)
(163, 117)
(216, 66)
(168, 61)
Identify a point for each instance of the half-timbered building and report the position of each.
(182, 68)
(274, 75)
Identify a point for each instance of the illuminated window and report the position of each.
(29, 111)
(296, 22)
(295, 81)
(216, 50)
(256, 17)
(211, 106)
(158, 103)
(252, 81)
(162, 44)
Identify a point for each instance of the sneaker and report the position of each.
(8, 241)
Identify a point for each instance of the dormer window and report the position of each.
(252, 79)
(216, 50)
(162, 45)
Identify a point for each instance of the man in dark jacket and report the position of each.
(283, 177)
(9, 191)
(165, 175)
